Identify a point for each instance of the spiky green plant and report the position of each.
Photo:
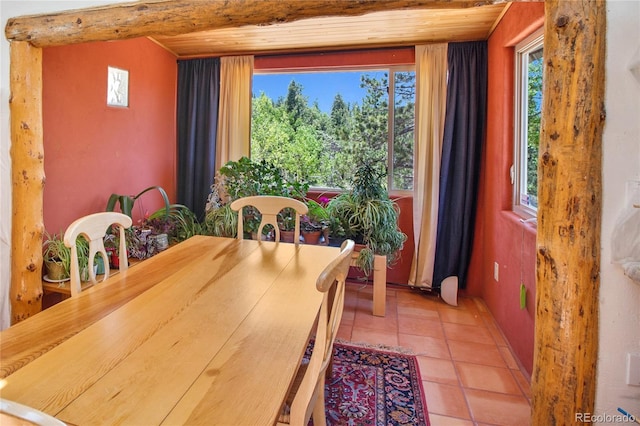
(369, 217)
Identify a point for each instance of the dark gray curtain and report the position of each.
(197, 123)
(464, 135)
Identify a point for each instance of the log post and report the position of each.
(27, 176)
(569, 213)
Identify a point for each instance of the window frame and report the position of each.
(391, 69)
(520, 143)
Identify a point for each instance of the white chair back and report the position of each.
(93, 228)
(269, 206)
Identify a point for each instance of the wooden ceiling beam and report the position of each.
(174, 17)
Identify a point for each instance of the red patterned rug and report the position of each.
(374, 387)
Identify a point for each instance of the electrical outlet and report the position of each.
(496, 271)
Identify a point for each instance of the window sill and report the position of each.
(527, 220)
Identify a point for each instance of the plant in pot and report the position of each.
(221, 221)
(180, 224)
(57, 257)
(369, 217)
(244, 178)
(287, 225)
(314, 223)
(112, 244)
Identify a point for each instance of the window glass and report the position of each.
(318, 126)
(403, 129)
(529, 64)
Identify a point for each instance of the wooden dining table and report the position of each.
(210, 331)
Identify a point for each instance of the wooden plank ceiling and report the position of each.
(378, 29)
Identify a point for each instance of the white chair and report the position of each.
(307, 394)
(269, 206)
(93, 228)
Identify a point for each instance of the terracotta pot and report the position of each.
(359, 247)
(311, 237)
(287, 236)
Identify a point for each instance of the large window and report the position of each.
(528, 111)
(318, 126)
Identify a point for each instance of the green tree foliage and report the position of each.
(534, 114)
(325, 148)
(291, 145)
(403, 129)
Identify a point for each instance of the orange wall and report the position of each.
(501, 237)
(92, 150)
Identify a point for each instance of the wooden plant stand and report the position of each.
(379, 283)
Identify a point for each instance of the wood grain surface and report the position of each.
(211, 330)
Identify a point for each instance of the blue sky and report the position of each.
(317, 86)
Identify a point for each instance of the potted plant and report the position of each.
(221, 221)
(287, 225)
(112, 244)
(57, 258)
(314, 223)
(180, 224)
(244, 178)
(369, 217)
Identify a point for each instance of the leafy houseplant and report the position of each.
(287, 224)
(126, 202)
(57, 257)
(244, 178)
(287, 219)
(221, 221)
(174, 220)
(367, 215)
(315, 222)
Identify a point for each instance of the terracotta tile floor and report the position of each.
(468, 372)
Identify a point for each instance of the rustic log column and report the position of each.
(27, 175)
(569, 212)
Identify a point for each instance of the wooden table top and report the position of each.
(210, 331)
